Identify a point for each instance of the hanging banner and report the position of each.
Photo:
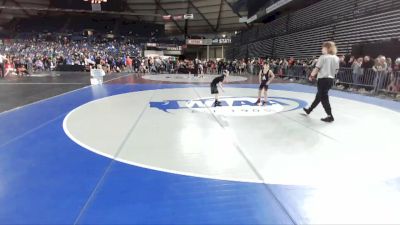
(188, 16)
(222, 41)
(198, 41)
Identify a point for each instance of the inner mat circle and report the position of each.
(283, 146)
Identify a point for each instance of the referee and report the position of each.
(325, 70)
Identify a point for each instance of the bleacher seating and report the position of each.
(371, 28)
(276, 27)
(320, 13)
(261, 48)
(302, 44)
(301, 33)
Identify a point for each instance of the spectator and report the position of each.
(9, 68)
(351, 62)
(381, 69)
(2, 59)
(394, 85)
(357, 70)
(368, 72)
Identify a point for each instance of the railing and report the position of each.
(368, 80)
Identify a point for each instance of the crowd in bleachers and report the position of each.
(20, 57)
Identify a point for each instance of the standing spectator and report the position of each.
(291, 64)
(129, 63)
(285, 65)
(357, 70)
(213, 67)
(351, 62)
(9, 67)
(394, 85)
(368, 72)
(2, 59)
(137, 64)
(381, 69)
(220, 66)
(29, 65)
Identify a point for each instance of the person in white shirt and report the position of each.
(326, 69)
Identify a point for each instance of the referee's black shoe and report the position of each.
(308, 111)
(328, 119)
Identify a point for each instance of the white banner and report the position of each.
(188, 16)
(199, 42)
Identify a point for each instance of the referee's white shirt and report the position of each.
(328, 66)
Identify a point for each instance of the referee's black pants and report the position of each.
(324, 85)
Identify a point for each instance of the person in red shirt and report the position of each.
(129, 64)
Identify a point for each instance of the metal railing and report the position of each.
(368, 80)
(375, 81)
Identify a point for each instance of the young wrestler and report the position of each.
(214, 88)
(266, 76)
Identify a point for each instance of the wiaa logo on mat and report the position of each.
(232, 106)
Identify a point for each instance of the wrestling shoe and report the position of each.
(217, 103)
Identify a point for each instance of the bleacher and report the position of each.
(304, 43)
(370, 28)
(275, 27)
(301, 33)
(42, 24)
(375, 6)
(99, 24)
(260, 48)
(322, 12)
